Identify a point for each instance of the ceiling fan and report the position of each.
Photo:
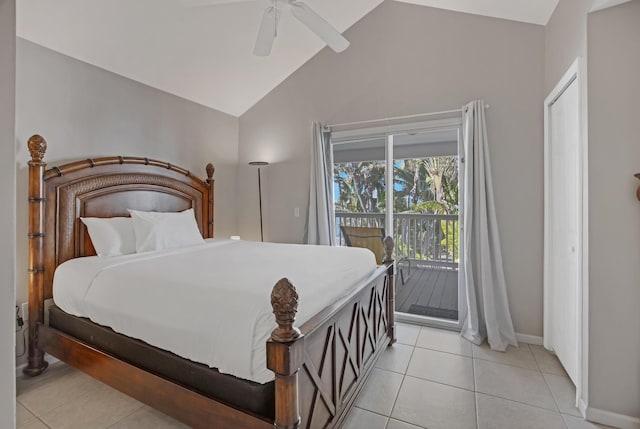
(271, 17)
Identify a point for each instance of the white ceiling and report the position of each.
(531, 11)
(204, 54)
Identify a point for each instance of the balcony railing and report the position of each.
(430, 238)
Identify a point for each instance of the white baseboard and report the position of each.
(529, 339)
(609, 418)
(48, 358)
(582, 407)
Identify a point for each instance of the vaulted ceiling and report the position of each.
(205, 53)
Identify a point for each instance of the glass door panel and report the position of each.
(359, 185)
(426, 224)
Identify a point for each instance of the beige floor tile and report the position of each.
(407, 333)
(63, 388)
(363, 419)
(579, 423)
(442, 367)
(444, 341)
(148, 418)
(397, 424)
(25, 384)
(496, 413)
(547, 361)
(23, 415)
(380, 392)
(395, 358)
(33, 424)
(510, 382)
(434, 405)
(564, 392)
(100, 408)
(516, 356)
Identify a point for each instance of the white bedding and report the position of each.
(209, 303)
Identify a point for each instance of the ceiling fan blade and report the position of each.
(318, 25)
(267, 32)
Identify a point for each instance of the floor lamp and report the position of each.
(260, 164)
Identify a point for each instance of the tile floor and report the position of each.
(430, 379)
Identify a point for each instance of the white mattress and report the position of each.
(209, 303)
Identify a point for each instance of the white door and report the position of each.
(564, 226)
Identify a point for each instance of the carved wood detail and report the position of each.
(339, 355)
(638, 190)
(37, 147)
(284, 300)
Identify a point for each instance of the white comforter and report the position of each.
(209, 303)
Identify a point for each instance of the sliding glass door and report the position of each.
(408, 182)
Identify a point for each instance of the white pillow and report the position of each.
(111, 236)
(157, 231)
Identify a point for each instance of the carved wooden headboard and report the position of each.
(101, 187)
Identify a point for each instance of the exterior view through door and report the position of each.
(418, 203)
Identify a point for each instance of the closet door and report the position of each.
(563, 228)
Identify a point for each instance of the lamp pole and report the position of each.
(260, 164)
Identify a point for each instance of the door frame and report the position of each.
(388, 132)
(575, 73)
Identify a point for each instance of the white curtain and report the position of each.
(320, 215)
(488, 313)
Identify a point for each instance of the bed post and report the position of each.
(285, 355)
(37, 147)
(391, 297)
(209, 182)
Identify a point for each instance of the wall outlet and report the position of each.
(24, 311)
(296, 212)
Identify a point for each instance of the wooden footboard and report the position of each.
(319, 368)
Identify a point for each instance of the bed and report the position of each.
(318, 366)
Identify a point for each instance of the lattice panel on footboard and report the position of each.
(339, 354)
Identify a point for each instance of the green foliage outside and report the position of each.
(421, 186)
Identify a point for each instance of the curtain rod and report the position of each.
(395, 118)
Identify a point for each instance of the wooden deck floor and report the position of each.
(428, 291)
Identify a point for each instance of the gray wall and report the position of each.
(566, 39)
(614, 223)
(407, 59)
(7, 211)
(84, 111)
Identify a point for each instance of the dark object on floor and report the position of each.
(440, 313)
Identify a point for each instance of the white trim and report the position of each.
(529, 339)
(338, 137)
(388, 149)
(575, 73)
(604, 4)
(609, 418)
(432, 322)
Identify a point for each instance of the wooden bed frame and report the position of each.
(319, 368)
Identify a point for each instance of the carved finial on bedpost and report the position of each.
(37, 147)
(388, 249)
(284, 300)
(285, 355)
(638, 191)
(210, 170)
